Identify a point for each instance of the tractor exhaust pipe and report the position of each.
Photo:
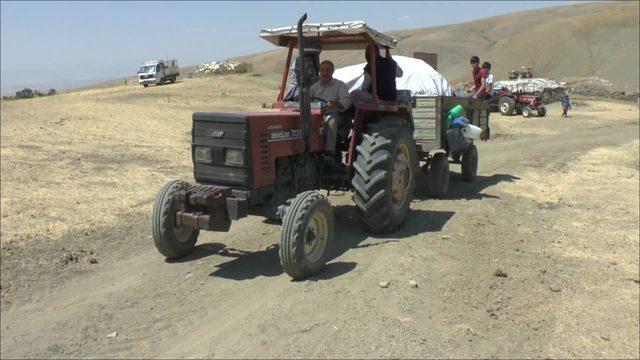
(303, 89)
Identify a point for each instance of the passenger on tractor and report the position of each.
(387, 70)
(312, 61)
(486, 66)
(336, 96)
(479, 75)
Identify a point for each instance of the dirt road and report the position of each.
(537, 258)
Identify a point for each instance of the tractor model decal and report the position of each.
(278, 135)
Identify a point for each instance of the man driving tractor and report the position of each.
(336, 95)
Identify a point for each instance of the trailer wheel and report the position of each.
(307, 234)
(542, 111)
(384, 176)
(507, 105)
(171, 240)
(470, 163)
(438, 177)
(526, 111)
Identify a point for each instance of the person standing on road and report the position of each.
(566, 104)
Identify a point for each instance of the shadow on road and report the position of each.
(349, 236)
(249, 264)
(199, 252)
(459, 189)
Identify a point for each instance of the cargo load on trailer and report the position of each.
(417, 76)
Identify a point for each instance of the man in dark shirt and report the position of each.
(386, 72)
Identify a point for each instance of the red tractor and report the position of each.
(518, 102)
(272, 163)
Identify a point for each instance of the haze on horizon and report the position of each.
(70, 44)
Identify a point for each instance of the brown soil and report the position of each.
(536, 258)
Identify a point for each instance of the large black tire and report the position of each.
(438, 176)
(470, 163)
(171, 241)
(507, 105)
(307, 235)
(162, 80)
(542, 111)
(384, 145)
(145, 85)
(526, 111)
(173, 79)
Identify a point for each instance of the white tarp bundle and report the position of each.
(528, 85)
(216, 67)
(418, 77)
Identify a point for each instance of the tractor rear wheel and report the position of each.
(507, 105)
(384, 176)
(526, 111)
(171, 240)
(307, 234)
(470, 163)
(438, 178)
(542, 111)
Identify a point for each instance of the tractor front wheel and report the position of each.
(171, 240)
(507, 105)
(384, 176)
(542, 111)
(308, 232)
(526, 111)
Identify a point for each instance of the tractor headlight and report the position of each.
(234, 157)
(202, 154)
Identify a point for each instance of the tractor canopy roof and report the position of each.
(350, 35)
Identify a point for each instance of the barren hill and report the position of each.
(598, 39)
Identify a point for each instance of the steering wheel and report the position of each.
(323, 104)
(323, 101)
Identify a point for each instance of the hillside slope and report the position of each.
(598, 39)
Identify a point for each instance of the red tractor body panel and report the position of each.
(279, 134)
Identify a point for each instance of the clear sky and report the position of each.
(61, 44)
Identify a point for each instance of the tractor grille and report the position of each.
(220, 132)
(264, 154)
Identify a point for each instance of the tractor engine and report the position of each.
(259, 156)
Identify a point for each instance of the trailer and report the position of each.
(438, 145)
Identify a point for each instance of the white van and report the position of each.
(158, 72)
